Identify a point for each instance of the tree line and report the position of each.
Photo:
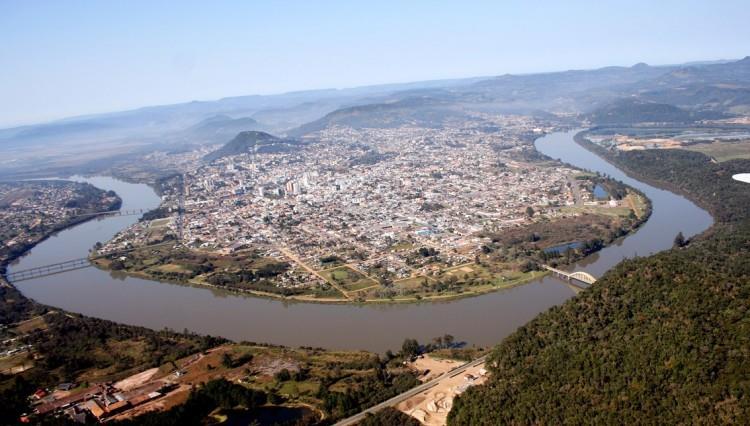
(657, 340)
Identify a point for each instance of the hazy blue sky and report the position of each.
(63, 58)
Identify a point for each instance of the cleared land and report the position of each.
(432, 406)
(723, 151)
(429, 367)
(348, 278)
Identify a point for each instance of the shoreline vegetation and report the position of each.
(196, 376)
(22, 250)
(513, 258)
(532, 275)
(659, 339)
(24, 385)
(70, 326)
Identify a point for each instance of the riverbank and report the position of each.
(673, 346)
(102, 263)
(593, 227)
(376, 327)
(21, 250)
(612, 157)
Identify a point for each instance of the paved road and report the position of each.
(411, 392)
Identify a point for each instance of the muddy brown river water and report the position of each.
(482, 320)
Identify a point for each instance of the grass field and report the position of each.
(171, 267)
(410, 283)
(15, 363)
(402, 246)
(723, 151)
(348, 278)
(158, 223)
(602, 210)
(478, 279)
(33, 324)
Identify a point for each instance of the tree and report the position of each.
(679, 240)
(529, 211)
(448, 340)
(226, 360)
(283, 375)
(389, 416)
(528, 266)
(437, 342)
(410, 348)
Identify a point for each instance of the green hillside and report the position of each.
(658, 340)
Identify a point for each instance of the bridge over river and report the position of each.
(67, 265)
(581, 276)
(482, 320)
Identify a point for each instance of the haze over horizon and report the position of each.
(63, 60)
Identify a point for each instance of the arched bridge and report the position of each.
(581, 276)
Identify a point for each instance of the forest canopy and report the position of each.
(662, 339)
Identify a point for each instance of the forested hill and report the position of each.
(657, 340)
(628, 111)
(251, 142)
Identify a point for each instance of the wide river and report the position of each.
(482, 320)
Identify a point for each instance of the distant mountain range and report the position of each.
(640, 93)
(219, 128)
(416, 111)
(629, 111)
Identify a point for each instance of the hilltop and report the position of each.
(220, 127)
(416, 111)
(250, 142)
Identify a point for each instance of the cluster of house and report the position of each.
(357, 193)
(28, 208)
(97, 402)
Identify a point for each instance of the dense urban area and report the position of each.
(405, 214)
(410, 200)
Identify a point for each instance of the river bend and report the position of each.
(482, 320)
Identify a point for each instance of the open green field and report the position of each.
(638, 203)
(723, 151)
(402, 246)
(411, 282)
(171, 268)
(14, 363)
(348, 278)
(33, 324)
(473, 279)
(157, 223)
(602, 210)
(495, 275)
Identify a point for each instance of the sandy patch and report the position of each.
(136, 380)
(432, 406)
(433, 367)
